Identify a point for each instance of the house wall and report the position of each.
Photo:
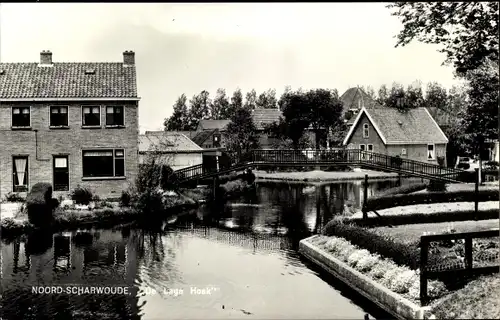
(175, 160)
(417, 152)
(209, 142)
(70, 142)
(373, 137)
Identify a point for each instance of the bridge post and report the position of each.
(365, 197)
(476, 194)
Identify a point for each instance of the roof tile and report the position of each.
(166, 141)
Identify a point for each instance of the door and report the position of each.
(61, 173)
(362, 154)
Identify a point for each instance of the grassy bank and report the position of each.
(97, 214)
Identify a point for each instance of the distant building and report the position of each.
(69, 124)
(412, 135)
(354, 99)
(170, 148)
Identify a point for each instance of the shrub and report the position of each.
(40, 205)
(367, 263)
(81, 195)
(357, 255)
(14, 197)
(150, 202)
(404, 281)
(406, 189)
(125, 199)
(380, 268)
(416, 218)
(440, 161)
(152, 175)
(436, 186)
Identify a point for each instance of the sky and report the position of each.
(190, 47)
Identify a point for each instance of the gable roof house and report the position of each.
(170, 148)
(212, 125)
(412, 135)
(353, 100)
(68, 124)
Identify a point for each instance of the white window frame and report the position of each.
(433, 151)
(403, 151)
(106, 114)
(67, 115)
(114, 163)
(66, 156)
(367, 128)
(12, 118)
(100, 116)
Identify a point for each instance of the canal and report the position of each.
(236, 261)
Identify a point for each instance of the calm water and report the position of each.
(239, 261)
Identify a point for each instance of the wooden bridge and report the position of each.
(334, 157)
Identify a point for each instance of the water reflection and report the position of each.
(246, 251)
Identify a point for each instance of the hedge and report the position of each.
(406, 189)
(39, 204)
(386, 246)
(416, 218)
(391, 201)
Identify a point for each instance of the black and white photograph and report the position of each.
(253, 160)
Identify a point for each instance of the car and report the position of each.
(467, 163)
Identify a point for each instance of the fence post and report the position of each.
(468, 254)
(476, 195)
(365, 197)
(424, 247)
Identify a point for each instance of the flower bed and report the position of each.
(404, 249)
(397, 278)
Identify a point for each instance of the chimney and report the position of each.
(128, 58)
(46, 58)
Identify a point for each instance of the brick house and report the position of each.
(412, 135)
(69, 124)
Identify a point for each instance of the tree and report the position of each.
(467, 31)
(179, 120)
(295, 115)
(220, 106)
(480, 118)
(242, 133)
(401, 99)
(370, 92)
(199, 109)
(236, 102)
(325, 111)
(436, 97)
(382, 94)
(251, 100)
(267, 100)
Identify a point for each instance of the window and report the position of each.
(21, 117)
(114, 116)
(103, 163)
(58, 116)
(362, 147)
(20, 174)
(91, 116)
(370, 149)
(403, 152)
(430, 152)
(365, 130)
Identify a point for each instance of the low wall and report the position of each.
(396, 305)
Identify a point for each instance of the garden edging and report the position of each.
(388, 300)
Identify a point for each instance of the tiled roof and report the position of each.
(67, 80)
(412, 127)
(202, 136)
(262, 117)
(213, 124)
(166, 141)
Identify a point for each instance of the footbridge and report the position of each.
(333, 157)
